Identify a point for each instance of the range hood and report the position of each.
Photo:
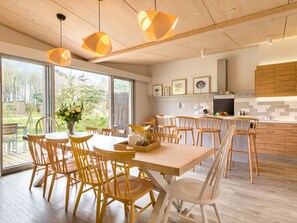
(222, 78)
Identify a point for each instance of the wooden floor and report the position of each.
(271, 199)
(17, 156)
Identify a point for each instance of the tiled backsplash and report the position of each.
(280, 108)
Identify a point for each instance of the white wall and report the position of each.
(141, 102)
(278, 52)
(241, 67)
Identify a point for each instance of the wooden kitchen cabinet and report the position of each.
(264, 82)
(291, 140)
(276, 80)
(277, 139)
(285, 80)
(271, 139)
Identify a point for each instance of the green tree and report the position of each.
(75, 88)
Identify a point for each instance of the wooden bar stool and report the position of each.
(208, 124)
(245, 126)
(164, 123)
(184, 124)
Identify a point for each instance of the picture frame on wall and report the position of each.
(179, 87)
(201, 85)
(157, 90)
(166, 91)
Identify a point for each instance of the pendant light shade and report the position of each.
(59, 56)
(98, 43)
(156, 25)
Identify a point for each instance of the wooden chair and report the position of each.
(10, 136)
(170, 138)
(151, 122)
(198, 192)
(46, 124)
(184, 124)
(245, 126)
(140, 130)
(164, 123)
(40, 158)
(118, 132)
(94, 130)
(114, 132)
(123, 188)
(88, 169)
(208, 124)
(61, 165)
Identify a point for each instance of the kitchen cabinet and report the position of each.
(285, 80)
(264, 82)
(291, 140)
(276, 80)
(271, 139)
(277, 139)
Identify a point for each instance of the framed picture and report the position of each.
(179, 87)
(201, 85)
(157, 90)
(166, 91)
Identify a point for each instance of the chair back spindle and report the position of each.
(215, 174)
(37, 149)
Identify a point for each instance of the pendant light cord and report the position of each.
(99, 14)
(155, 5)
(60, 33)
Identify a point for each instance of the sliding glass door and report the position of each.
(31, 90)
(92, 89)
(23, 98)
(122, 103)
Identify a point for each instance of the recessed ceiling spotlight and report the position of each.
(269, 40)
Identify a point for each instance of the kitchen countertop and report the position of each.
(261, 120)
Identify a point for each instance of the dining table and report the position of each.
(169, 160)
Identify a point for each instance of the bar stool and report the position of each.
(245, 126)
(208, 124)
(164, 123)
(183, 124)
(151, 122)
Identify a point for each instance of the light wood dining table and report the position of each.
(169, 159)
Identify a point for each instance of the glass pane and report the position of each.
(22, 105)
(122, 104)
(90, 88)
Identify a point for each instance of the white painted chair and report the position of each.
(198, 192)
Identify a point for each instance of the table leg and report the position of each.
(40, 180)
(161, 202)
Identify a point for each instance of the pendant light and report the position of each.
(59, 56)
(156, 25)
(98, 43)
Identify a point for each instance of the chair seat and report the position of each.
(138, 187)
(243, 132)
(183, 129)
(188, 189)
(208, 130)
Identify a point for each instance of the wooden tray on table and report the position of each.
(125, 146)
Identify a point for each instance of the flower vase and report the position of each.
(70, 127)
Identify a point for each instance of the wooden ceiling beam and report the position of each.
(220, 27)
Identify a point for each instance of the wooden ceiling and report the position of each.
(213, 25)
